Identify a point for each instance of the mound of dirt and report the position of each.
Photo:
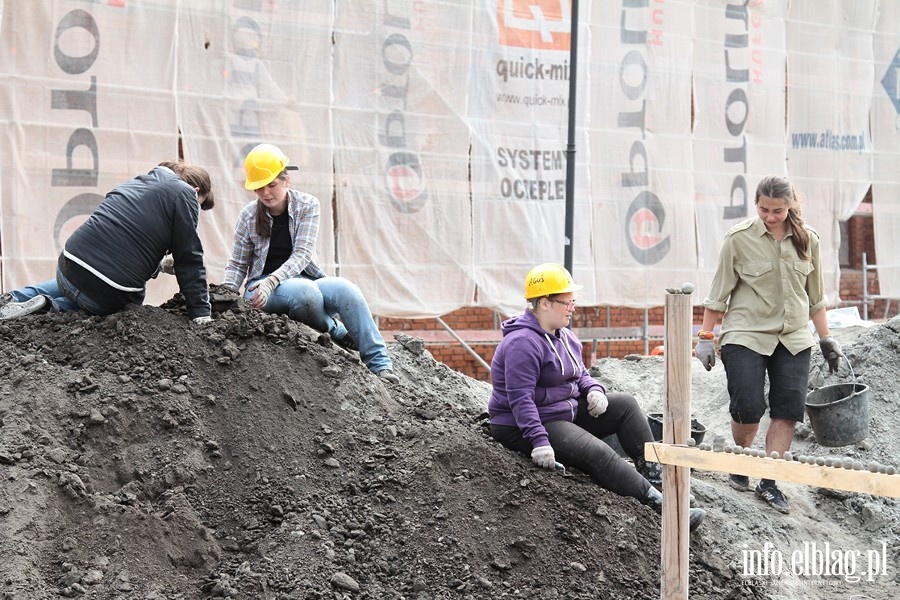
(143, 456)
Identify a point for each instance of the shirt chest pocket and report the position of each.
(803, 267)
(755, 269)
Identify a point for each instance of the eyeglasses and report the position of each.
(570, 304)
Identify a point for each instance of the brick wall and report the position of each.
(860, 239)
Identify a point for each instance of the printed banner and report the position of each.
(739, 113)
(435, 135)
(240, 85)
(79, 117)
(518, 115)
(403, 212)
(830, 66)
(886, 144)
(641, 183)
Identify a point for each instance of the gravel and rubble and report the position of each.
(143, 456)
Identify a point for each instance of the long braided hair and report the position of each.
(777, 187)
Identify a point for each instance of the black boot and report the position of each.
(651, 471)
(654, 499)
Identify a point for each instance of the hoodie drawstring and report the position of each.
(558, 357)
(572, 358)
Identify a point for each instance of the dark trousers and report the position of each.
(579, 444)
(746, 372)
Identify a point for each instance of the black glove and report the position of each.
(831, 350)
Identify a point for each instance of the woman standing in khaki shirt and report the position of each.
(768, 285)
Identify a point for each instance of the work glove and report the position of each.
(264, 288)
(544, 457)
(167, 265)
(831, 350)
(596, 403)
(706, 352)
(201, 320)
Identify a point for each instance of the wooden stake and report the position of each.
(676, 429)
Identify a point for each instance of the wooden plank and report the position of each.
(675, 541)
(864, 482)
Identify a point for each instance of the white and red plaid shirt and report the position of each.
(249, 250)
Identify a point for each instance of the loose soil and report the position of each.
(143, 456)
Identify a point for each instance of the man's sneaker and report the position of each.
(388, 375)
(14, 310)
(773, 496)
(739, 482)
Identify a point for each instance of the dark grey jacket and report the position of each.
(124, 239)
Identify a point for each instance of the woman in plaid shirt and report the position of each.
(274, 252)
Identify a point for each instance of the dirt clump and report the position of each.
(143, 456)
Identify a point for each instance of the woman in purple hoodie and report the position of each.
(545, 403)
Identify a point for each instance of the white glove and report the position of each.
(544, 457)
(706, 352)
(597, 403)
(202, 320)
(264, 288)
(167, 265)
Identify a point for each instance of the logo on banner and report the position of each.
(644, 221)
(406, 182)
(539, 24)
(891, 81)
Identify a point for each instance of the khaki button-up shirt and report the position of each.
(766, 291)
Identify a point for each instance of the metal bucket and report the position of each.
(839, 414)
(655, 420)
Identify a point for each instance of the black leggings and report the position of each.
(579, 444)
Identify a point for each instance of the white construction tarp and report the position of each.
(640, 146)
(242, 81)
(435, 134)
(401, 167)
(886, 142)
(81, 112)
(518, 117)
(739, 114)
(830, 72)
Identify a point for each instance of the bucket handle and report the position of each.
(852, 374)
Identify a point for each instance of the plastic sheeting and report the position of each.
(885, 128)
(435, 133)
(739, 59)
(830, 65)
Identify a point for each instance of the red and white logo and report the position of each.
(541, 24)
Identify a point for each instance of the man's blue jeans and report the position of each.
(317, 302)
(62, 295)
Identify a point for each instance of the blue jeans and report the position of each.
(63, 296)
(50, 289)
(74, 295)
(317, 302)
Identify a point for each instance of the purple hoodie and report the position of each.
(537, 377)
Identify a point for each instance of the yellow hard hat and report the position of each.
(263, 164)
(548, 279)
